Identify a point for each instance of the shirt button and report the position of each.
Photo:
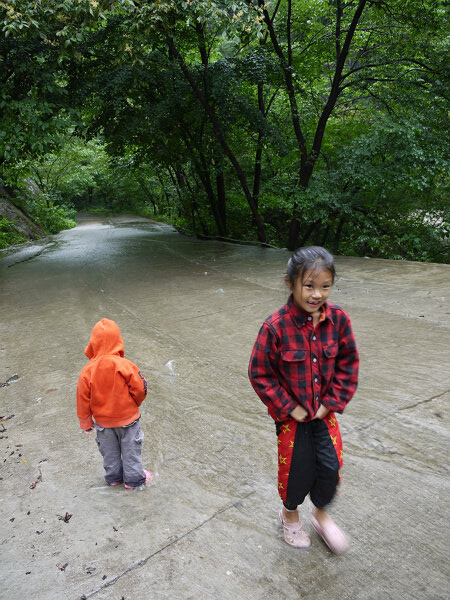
(317, 397)
(314, 360)
(316, 379)
(314, 338)
(309, 318)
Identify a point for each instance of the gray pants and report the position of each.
(121, 448)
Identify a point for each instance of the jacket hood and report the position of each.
(105, 339)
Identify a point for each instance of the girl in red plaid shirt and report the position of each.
(304, 367)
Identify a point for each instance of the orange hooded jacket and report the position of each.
(110, 387)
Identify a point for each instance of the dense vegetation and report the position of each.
(285, 122)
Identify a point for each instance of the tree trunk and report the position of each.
(325, 235)
(195, 207)
(222, 141)
(146, 191)
(221, 198)
(308, 159)
(294, 230)
(338, 234)
(307, 233)
(259, 150)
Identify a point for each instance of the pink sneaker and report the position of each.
(148, 478)
(332, 535)
(114, 483)
(294, 534)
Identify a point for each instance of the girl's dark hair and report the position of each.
(309, 258)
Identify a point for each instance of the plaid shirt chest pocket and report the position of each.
(329, 354)
(293, 364)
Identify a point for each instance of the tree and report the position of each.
(327, 60)
(37, 40)
(247, 115)
(352, 46)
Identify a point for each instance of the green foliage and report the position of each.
(37, 41)
(9, 234)
(43, 209)
(51, 218)
(299, 122)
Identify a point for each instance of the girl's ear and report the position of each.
(287, 281)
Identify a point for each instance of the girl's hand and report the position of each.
(322, 412)
(89, 431)
(299, 413)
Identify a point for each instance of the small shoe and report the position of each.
(114, 483)
(148, 478)
(332, 535)
(294, 534)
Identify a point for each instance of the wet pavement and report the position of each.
(207, 527)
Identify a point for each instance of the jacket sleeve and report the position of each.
(84, 412)
(263, 376)
(137, 384)
(345, 378)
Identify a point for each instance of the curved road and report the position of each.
(207, 527)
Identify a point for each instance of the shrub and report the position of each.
(9, 234)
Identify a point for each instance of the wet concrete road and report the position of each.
(207, 527)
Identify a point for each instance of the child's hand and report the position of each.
(299, 413)
(322, 412)
(89, 431)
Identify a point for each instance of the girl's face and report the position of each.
(311, 293)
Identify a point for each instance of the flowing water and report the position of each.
(207, 526)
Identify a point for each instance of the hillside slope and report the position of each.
(22, 223)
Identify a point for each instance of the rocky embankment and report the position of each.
(24, 225)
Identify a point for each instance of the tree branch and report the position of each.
(289, 84)
(334, 93)
(220, 138)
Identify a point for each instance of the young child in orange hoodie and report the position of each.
(110, 390)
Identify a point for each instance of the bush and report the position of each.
(51, 217)
(54, 219)
(412, 238)
(9, 234)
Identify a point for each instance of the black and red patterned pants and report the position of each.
(309, 460)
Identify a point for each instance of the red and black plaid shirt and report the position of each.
(294, 363)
